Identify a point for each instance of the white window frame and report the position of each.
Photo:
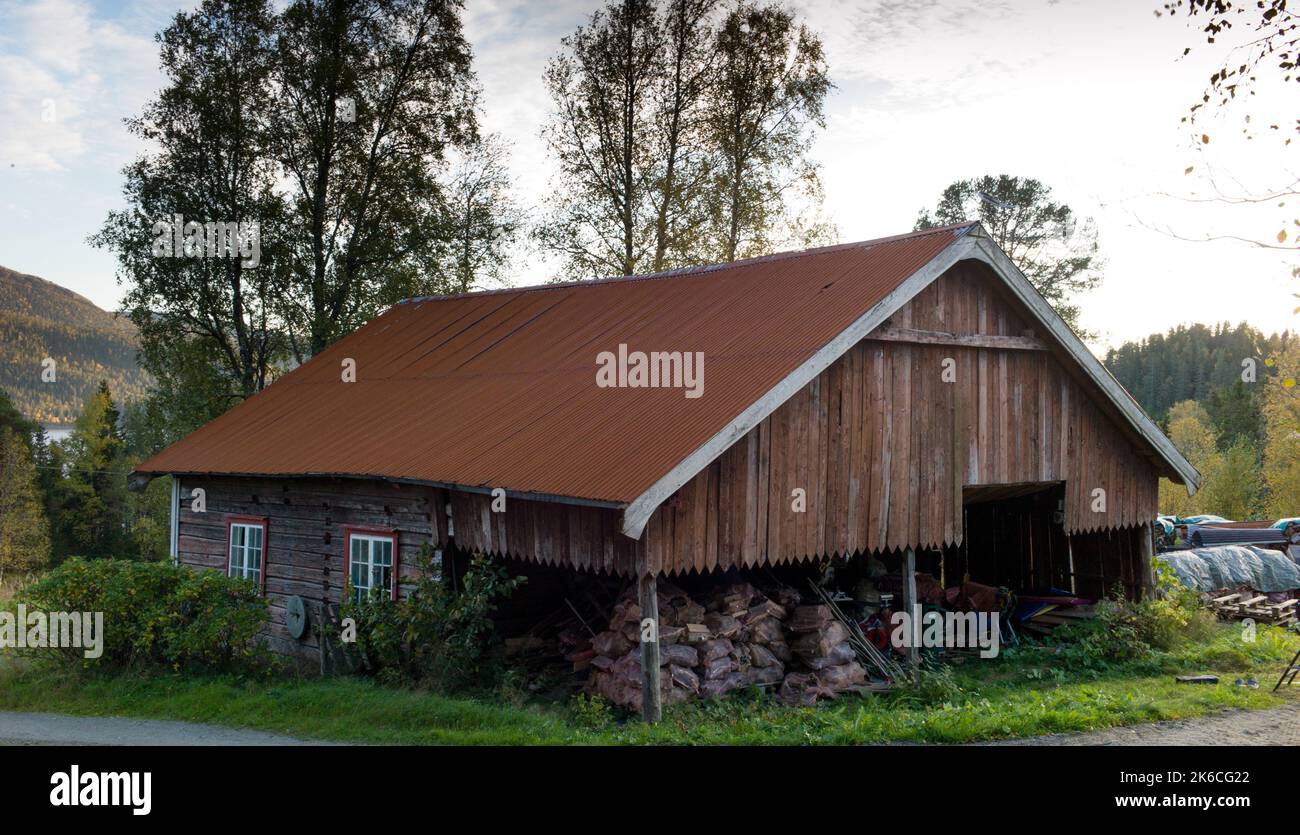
(239, 550)
(371, 545)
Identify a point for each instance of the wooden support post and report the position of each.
(651, 698)
(909, 605)
(1146, 561)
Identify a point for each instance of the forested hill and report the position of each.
(1189, 362)
(40, 319)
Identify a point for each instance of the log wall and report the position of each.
(303, 554)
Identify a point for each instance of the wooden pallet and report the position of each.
(1257, 607)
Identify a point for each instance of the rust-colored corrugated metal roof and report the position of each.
(498, 389)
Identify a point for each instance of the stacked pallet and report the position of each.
(1257, 607)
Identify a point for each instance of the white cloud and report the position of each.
(90, 69)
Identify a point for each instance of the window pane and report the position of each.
(255, 538)
(385, 552)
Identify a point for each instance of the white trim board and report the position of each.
(974, 244)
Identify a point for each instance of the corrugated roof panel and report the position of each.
(498, 389)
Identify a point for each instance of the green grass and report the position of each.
(1024, 692)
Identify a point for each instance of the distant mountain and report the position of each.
(40, 319)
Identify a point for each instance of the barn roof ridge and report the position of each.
(699, 269)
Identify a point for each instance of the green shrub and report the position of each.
(434, 636)
(1126, 631)
(158, 614)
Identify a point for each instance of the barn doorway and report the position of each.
(1014, 536)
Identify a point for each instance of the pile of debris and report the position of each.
(1044, 614)
(736, 638)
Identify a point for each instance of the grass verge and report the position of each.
(1025, 692)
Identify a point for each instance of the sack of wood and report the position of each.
(811, 618)
(679, 654)
(761, 656)
(612, 644)
(782, 651)
(688, 611)
(722, 686)
(740, 657)
(684, 678)
(603, 662)
(841, 653)
(765, 609)
(764, 676)
(819, 643)
(766, 630)
(717, 668)
(722, 625)
(670, 634)
(632, 633)
(798, 689)
(716, 648)
(625, 611)
(628, 668)
(697, 633)
(732, 599)
(843, 676)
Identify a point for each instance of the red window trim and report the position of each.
(390, 533)
(231, 521)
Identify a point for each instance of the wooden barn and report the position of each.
(907, 396)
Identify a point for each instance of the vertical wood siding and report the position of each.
(882, 447)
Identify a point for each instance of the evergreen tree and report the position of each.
(24, 531)
(91, 503)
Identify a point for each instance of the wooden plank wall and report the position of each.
(576, 536)
(882, 447)
(304, 551)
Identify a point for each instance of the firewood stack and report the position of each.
(821, 643)
(738, 638)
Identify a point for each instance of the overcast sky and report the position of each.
(1086, 96)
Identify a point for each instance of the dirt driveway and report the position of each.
(57, 729)
(1277, 726)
